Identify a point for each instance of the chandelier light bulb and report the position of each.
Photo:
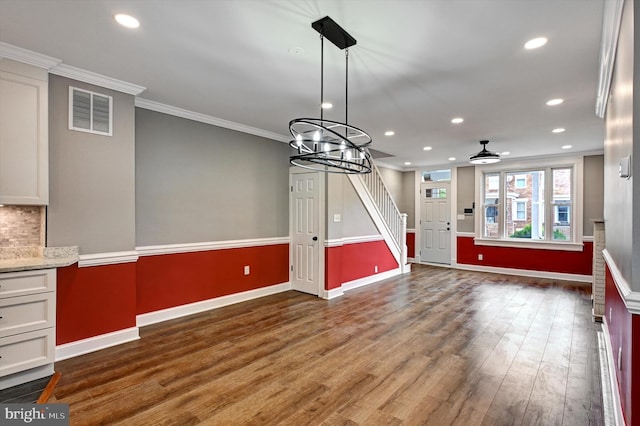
(327, 147)
(299, 140)
(316, 136)
(349, 155)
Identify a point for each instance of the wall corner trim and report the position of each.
(95, 343)
(112, 258)
(610, 380)
(612, 17)
(30, 57)
(91, 77)
(208, 119)
(631, 298)
(209, 304)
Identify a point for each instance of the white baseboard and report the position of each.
(206, 305)
(613, 381)
(526, 273)
(361, 282)
(331, 294)
(26, 376)
(92, 344)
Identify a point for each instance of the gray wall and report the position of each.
(91, 177)
(197, 182)
(620, 225)
(408, 200)
(401, 186)
(466, 197)
(593, 191)
(342, 199)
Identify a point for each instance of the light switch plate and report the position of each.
(624, 167)
(337, 218)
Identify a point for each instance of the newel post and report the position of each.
(403, 240)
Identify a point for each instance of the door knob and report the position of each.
(315, 238)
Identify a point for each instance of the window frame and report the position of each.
(548, 165)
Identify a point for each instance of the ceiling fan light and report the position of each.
(484, 156)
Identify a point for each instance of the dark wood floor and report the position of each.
(436, 346)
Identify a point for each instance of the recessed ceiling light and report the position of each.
(407, 163)
(326, 105)
(567, 146)
(505, 153)
(534, 43)
(427, 148)
(389, 133)
(452, 158)
(126, 20)
(558, 130)
(553, 102)
(457, 120)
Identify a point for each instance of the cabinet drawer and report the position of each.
(28, 350)
(28, 282)
(27, 313)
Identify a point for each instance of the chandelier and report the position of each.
(485, 156)
(327, 145)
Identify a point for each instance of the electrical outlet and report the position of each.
(480, 257)
(375, 269)
(247, 270)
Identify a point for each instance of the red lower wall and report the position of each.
(624, 331)
(561, 261)
(353, 261)
(411, 244)
(101, 299)
(94, 300)
(170, 280)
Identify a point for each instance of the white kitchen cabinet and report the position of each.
(24, 134)
(27, 326)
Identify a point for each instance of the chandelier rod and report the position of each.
(321, 76)
(346, 88)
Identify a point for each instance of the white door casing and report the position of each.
(435, 222)
(305, 233)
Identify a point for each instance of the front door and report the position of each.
(304, 233)
(435, 222)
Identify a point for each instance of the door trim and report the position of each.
(417, 202)
(322, 178)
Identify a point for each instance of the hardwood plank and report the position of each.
(435, 346)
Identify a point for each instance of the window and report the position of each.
(437, 176)
(436, 193)
(90, 112)
(521, 210)
(534, 203)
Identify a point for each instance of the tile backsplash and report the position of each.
(21, 226)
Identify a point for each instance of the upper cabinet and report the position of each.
(24, 131)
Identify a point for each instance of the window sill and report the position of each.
(540, 245)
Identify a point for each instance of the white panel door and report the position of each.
(305, 227)
(435, 223)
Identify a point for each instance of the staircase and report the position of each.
(383, 210)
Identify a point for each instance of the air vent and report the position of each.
(90, 112)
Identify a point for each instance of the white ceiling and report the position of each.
(417, 65)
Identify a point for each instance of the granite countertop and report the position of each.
(31, 258)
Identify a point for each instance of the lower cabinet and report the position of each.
(27, 326)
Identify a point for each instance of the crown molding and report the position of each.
(207, 119)
(612, 17)
(90, 77)
(30, 57)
